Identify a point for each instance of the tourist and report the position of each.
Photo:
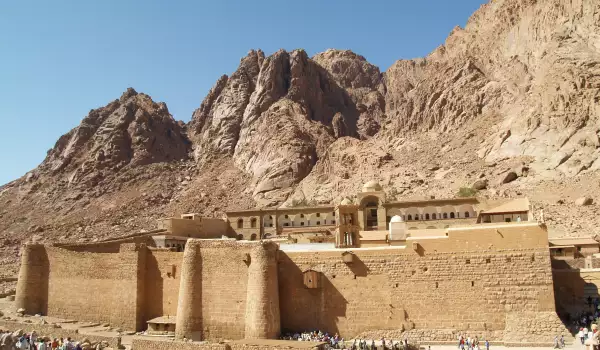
(54, 344)
(42, 345)
(373, 344)
(487, 344)
(581, 336)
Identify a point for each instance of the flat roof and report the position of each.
(163, 320)
(514, 206)
(373, 235)
(418, 202)
(573, 241)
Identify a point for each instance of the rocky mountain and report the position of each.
(510, 105)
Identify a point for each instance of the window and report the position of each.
(508, 259)
(436, 285)
(452, 215)
(318, 223)
(333, 222)
(253, 222)
(240, 223)
(302, 216)
(302, 223)
(472, 283)
(318, 215)
(253, 237)
(286, 224)
(434, 216)
(488, 260)
(445, 215)
(579, 249)
(409, 217)
(285, 216)
(506, 219)
(373, 212)
(467, 214)
(333, 213)
(468, 261)
(416, 216)
(426, 216)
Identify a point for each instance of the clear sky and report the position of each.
(59, 59)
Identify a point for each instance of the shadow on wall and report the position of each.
(308, 309)
(358, 268)
(573, 293)
(44, 280)
(154, 289)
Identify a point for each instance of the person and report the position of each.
(581, 336)
(42, 345)
(562, 341)
(373, 344)
(487, 344)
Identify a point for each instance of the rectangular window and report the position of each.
(318, 215)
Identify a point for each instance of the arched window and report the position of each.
(452, 215)
(467, 214)
(434, 216)
(427, 216)
(409, 217)
(240, 223)
(253, 222)
(445, 215)
(240, 237)
(253, 237)
(416, 216)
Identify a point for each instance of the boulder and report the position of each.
(585, 200)
(480, 184)
(509, 177)
(21, 310)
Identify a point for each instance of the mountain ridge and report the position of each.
(515, 91)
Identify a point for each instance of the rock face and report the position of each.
(363, 81)
(275, 116)
(133, 130)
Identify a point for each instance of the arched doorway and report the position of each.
(371, 206)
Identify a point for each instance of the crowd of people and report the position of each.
(337, 342)
(468, 343)
(32, 341)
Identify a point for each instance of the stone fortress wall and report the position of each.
(488, 278)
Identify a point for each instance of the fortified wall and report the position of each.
(488, 279)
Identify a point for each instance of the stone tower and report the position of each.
(262, 303)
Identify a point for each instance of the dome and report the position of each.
(371, 186)
(346, 201)
(396, 218)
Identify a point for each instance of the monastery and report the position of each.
(426, 268)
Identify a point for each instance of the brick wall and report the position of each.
(467, 281)
(97, 287)
(162, 290)
(213, 287)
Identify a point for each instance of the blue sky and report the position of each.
(59, 59)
